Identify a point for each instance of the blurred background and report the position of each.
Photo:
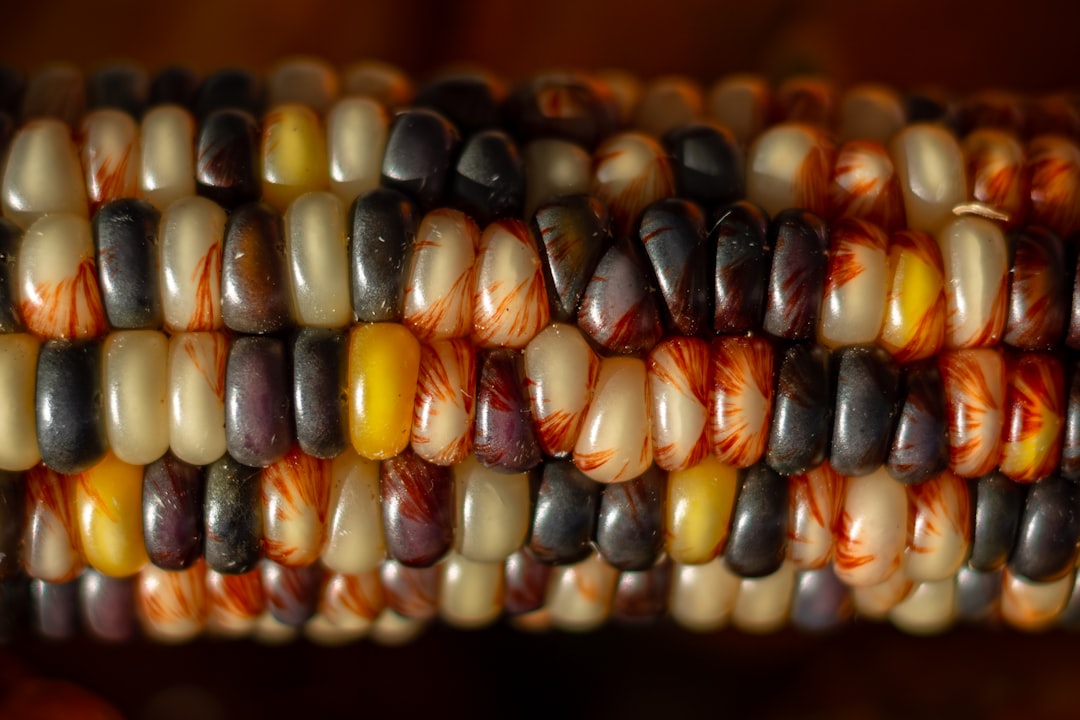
(963, 44)
(863, 671)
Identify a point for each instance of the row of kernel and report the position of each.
(791, 165)
(419, 153)
(744, 102)
(62, 91)
(392, 603)
(871, 111)
(377, 388)
(913, 295)
(224, 162)
(351, 513)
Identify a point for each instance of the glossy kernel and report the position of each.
(700, 501)
(293, 155)
(108, 504)
(384, 365)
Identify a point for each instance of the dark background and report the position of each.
(962, 44)
(864, 671)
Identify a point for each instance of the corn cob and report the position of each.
(574, 351)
